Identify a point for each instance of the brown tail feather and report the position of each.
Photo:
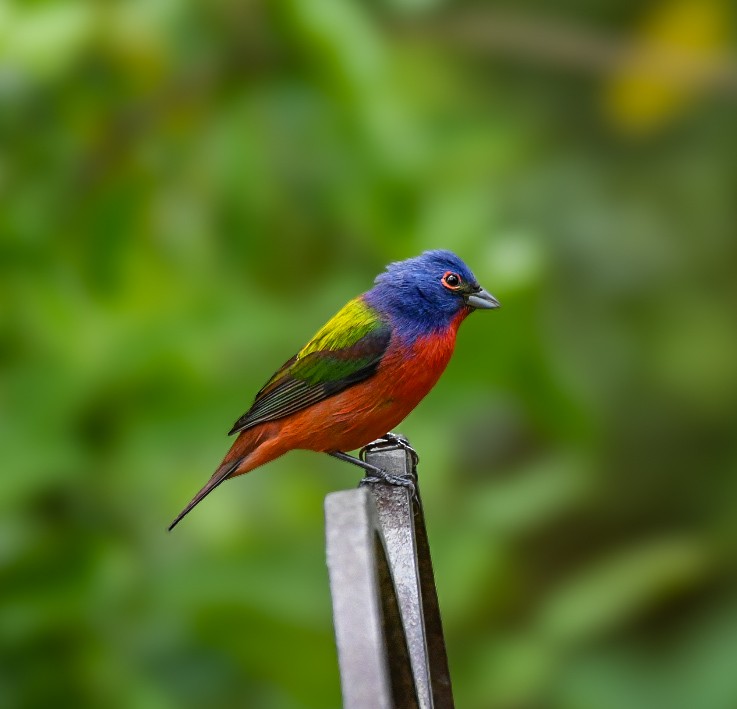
(219, 476)
(252, 448)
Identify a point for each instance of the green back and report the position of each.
(345, 351)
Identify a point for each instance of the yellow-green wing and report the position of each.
(347, 350)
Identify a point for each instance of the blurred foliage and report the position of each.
(678, 44)
(191, 189)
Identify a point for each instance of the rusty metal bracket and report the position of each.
(391, 649)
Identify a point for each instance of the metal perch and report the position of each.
(391, 649)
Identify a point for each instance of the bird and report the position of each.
(362, 373)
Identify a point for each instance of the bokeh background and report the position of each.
(189, 190)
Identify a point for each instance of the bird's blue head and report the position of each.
(425, 294)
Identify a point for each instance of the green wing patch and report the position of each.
(347, 350)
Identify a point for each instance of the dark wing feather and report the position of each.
(307, 379)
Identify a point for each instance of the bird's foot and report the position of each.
(408, 480)
(375, 474)
(381, 476)
(391, 440)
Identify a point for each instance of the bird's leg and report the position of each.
(355, 461)
(393, 439)
(376, 475)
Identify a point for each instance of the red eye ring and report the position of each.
(452, 281)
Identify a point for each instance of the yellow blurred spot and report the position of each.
(674, 55)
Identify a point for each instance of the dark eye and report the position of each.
(452, 280)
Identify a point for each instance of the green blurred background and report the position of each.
(189, 190)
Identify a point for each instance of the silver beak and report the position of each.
(482, 300)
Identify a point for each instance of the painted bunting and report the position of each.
(363, 372)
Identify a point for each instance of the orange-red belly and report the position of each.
(358, 415)
(370, 409)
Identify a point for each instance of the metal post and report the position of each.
(389, 635)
